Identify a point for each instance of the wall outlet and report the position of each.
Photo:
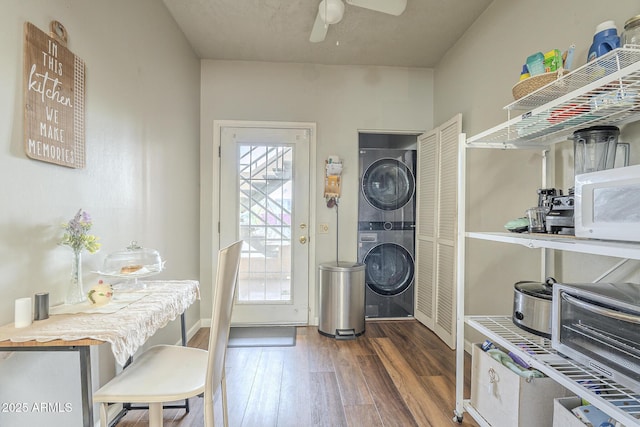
(323, 228)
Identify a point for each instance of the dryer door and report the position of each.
(389, 269)
(388, 184)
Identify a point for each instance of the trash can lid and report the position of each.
(342, 266)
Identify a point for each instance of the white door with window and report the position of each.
(264, 200)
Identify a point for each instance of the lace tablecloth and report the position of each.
(126, 329)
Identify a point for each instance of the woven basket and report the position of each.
(531, 84)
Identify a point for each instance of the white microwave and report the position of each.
(607, 204)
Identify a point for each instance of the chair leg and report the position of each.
(155, 414)
(103, 414)
(208, 411)
(223, 398)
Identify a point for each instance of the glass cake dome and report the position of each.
(133, 262)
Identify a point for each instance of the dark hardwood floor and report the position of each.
(397, 374)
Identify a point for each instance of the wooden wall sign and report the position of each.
(53, 98)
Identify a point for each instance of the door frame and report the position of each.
(215, 215)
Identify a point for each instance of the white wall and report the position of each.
(141, 177)
(340, 99)
(475, 78)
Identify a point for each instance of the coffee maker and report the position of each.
(558, 210)
(545, 195)
(559, 219)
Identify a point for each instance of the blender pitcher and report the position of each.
(594, 148)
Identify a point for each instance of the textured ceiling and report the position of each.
(278, 31)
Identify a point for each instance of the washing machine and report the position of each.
(388, 255)
(387, 185)
(386, 230)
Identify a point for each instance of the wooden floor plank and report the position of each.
(320, 358)
(416, 332)
(131, 419)
(362, 416)
(295, 396)
(240, 373)
(265, 392)
(200, 339)
(432, 357)
(353, 387)
(416, 397)
(444, 398)
(360, 346)
(326, 406)
(195, 416)
(390, 405)
(373, 329)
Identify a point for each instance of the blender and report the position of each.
(594, 148)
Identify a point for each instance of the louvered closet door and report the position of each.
(437, 228)
(427, 175)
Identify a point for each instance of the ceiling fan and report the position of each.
(332, 11)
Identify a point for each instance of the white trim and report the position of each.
(206, 323)
(390, 132)
(460, 275)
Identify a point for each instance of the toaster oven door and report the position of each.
(601, 336)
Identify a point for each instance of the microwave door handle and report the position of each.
(630, 318)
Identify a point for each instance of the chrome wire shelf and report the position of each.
(614, 399)
(605, 91)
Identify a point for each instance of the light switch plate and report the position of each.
(323, 228)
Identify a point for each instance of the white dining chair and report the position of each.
(166, 373)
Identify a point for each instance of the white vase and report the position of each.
(75, 292)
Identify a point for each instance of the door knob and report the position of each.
(303, 239)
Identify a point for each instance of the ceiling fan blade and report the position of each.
(319, 30)
(392, 7)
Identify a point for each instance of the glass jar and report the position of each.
(631, 33)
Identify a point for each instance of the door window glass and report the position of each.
(265, 198)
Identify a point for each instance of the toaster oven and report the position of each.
(598, 325)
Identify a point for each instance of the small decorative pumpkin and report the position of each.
(100, 294)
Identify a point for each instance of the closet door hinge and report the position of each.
(218, 227)
(219, 150)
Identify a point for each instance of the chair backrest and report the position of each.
(223, 293)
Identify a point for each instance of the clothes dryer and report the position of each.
(387, 185)
(388, 255)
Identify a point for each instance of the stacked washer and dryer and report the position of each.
(386, 230)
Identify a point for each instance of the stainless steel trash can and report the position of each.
(341, 300)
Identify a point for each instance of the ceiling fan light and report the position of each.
(331, 11)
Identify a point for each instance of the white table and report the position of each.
(134, 315)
